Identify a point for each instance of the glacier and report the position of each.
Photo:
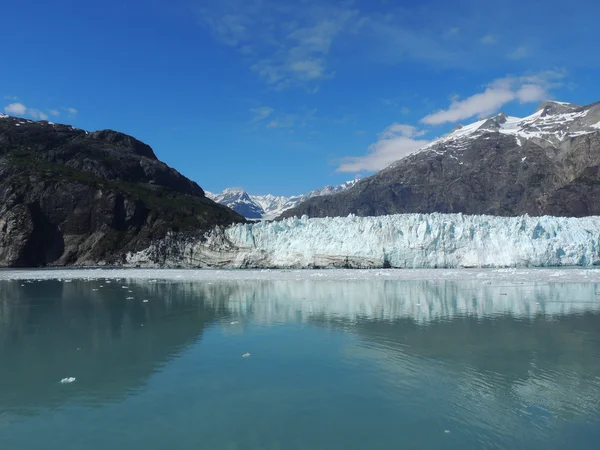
(395, 241)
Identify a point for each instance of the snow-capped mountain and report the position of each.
(238, 200)
(269, 206)
(552, 124)
(545, 163)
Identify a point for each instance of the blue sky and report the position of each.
(288, 96)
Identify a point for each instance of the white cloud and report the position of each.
(525, 89)
(488, 39)
(395, 142)
(402, 130)
(16, 108)
(20, 109)
(529, 93)
(477, 105)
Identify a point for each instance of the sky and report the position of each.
(283, 96)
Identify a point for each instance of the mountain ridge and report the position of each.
(269, 206)
(545, 163)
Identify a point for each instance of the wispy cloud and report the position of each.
(268, 118)
(72, 112)
(36, 114)
(488, 39)
(395, 142)
(261, 113)
(286, 44)
(521, 52)
(19, 109)
(525, 89)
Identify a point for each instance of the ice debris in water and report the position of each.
(67, 380)
(245, 355)
(235, 322)
(129, 298)
(144, 301)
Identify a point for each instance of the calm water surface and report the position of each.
(331, 365)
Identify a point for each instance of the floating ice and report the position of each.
(68, 380)
(245, 355)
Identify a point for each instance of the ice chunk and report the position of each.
(68, 380)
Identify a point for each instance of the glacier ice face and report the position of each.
(396, 241)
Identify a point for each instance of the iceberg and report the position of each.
(394, 241)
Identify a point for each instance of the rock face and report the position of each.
(547, 163)
(69, 197)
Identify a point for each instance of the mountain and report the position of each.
(545, 164)
(269, 206)
(68, 196)
(240, 201)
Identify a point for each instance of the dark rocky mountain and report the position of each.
(547, 163)
(68, 196)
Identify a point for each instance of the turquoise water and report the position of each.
(331, 365)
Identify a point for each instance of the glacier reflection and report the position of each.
(421, 301)
(495, 351)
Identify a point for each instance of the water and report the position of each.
(331, 365)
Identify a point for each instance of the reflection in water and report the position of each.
(51, 329)
(498, 365)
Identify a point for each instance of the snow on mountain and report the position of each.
(400, 241)
(543, 164)
(269, 206)
(552, 124)
(240, 201)
(3, 116)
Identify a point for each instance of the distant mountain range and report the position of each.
(545, 164)
(269, 206)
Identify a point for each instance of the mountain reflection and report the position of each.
(51, 330)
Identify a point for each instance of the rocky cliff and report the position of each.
(547, 163)
(71, 197)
